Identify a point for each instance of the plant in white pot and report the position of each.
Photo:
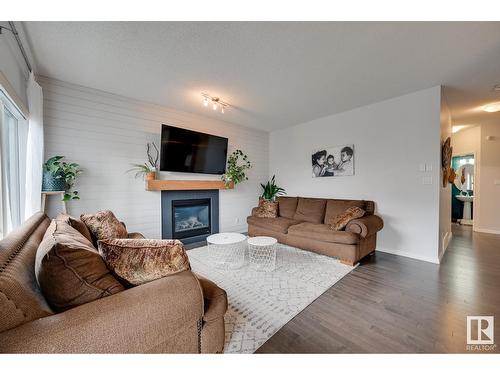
(147, 170)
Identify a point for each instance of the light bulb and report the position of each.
(214, 107)
(205, 102)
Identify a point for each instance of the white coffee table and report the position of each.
(262, 253)
(227, 250)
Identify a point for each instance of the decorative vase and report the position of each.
(151, 176)
(53, 182)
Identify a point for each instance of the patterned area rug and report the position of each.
(260, 303)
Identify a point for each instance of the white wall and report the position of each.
(393, 139)
(489, 188)
(444, 192)
(105, 133)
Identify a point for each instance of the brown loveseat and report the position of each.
(302, 223)
(181, 313)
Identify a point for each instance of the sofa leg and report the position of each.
(347, 262)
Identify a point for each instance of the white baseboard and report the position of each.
(444, 246)
(490, 231)
(409, 255)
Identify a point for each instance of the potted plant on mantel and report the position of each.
(60, 176)
(268, 207)
(147, 170)
(235, 172)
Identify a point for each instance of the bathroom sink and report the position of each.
(464, 198)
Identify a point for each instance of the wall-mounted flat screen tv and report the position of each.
(185, 150)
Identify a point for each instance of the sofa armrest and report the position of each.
(161, 316)
(135, 236)
(254, 211)
(365, 226)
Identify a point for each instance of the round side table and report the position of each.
(227, 250)
(262, 253)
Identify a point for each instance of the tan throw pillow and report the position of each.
(340, 221)
(104, 226)
(138, 261)
(77, 224)
(69, 270)
(267, 208)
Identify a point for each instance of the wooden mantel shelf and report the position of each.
(157, 185)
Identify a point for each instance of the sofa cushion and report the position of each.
(279, 224)
(335, 207)
(69, 269)
(340, 221)
(138, 261)
(77, 224)
(287, 206)
(322, 232)
(311, 210)
(104, 226)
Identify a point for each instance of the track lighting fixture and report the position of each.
(216, 102)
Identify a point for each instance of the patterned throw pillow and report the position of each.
(267, 208)
(104, 226)
(340, 221)
(138, 261)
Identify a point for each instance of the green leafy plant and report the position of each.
(141, 170)
(271, 190)
(69, 171)
(235, 171)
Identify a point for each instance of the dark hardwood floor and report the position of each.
(392, 304)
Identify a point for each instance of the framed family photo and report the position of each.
(333, 161)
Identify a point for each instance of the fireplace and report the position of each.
(189, 215)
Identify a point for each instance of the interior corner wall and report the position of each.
(489, 169)
(106, 133)
(444, 191)
(397, 165)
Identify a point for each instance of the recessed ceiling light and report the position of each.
(493, 107)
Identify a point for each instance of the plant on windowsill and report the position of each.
(147, 170)
(60, 176)
(235, 172)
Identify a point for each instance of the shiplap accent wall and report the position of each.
(105, 133)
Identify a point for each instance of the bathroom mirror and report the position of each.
(467, 172)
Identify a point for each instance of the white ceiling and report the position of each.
(275, 74)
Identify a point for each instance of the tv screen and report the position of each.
(189, 151)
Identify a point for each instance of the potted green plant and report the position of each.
(271, 190)
(147, 170)
(235, 171)
(60, 176)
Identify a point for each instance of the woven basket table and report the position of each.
(227, 250)
(262, 253)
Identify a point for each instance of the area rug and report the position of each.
(260, 303)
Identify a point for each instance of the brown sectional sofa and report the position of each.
(180, 313)
(302, 223)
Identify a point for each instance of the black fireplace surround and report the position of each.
(191, 215)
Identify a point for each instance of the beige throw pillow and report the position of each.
(267, 208)
(104, 226)
(340, 221)
(138, 261)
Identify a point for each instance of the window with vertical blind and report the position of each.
(13, 137)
